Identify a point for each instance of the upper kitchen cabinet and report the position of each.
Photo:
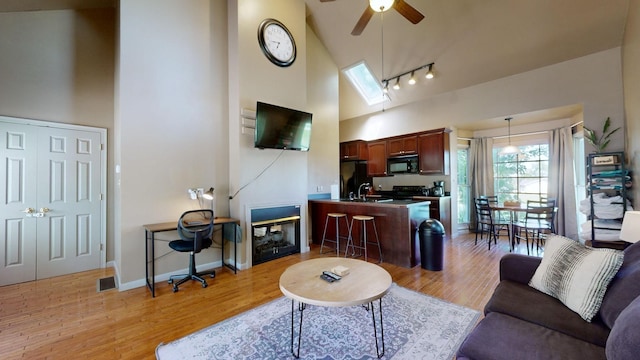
(353, 150)
(377, 161)
(433, 147)
(402, 146)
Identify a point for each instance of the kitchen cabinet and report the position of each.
(439, 209)
(402, 146)
(433, 149)
(377, 161)
(353, 150)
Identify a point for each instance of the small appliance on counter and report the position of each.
(437, 189)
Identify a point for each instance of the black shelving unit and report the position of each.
(607, 173)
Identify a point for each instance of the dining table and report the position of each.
(513, 209)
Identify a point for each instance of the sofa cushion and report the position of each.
(575, 274)
(623, 341)
(528, 304)
(500, 336)
(624, 287)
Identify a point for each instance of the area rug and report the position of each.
(416, 326)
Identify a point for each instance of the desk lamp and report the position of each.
(630, 227)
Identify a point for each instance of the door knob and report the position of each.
(44, 210)
(28, 210)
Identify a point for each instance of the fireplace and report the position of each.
(275, 232)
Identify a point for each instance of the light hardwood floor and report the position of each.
(65, 317)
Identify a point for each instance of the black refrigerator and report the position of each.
(352, 174)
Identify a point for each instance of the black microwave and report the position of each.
(405, 165)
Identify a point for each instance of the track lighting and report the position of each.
(412, 79)
(397, 85)
(429, 74)
(385, 89)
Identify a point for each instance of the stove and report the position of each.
(402, 192)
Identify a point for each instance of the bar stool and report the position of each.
(337, 217)
(364, 219)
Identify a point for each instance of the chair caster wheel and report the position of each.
(212, 275)
(204, 285)
(170, 281)
(175, 289)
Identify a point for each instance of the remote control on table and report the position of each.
(332, 275)
(327, 278)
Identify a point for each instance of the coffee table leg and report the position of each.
(375, 330)
(301, 307)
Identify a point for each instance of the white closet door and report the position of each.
(18, 185)
(68, 189)
(57, 173)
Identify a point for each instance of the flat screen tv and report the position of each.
(278, 127)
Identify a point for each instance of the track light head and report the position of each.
(397, 84)
(429, 74)
(412, 79)
(385, 89)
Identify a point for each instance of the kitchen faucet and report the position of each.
(365, 185)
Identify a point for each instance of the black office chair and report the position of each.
(195, 228)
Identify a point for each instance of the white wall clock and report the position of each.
(276, 42)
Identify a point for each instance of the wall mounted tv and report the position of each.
(278, 127)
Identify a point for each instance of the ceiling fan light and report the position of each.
(380, 5)
(397, 84)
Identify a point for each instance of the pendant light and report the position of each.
(509, 149)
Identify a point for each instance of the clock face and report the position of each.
(277, 42)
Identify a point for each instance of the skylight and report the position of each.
(363, 80)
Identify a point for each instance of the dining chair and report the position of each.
(484, 221)
(501, 219)
(536, 225)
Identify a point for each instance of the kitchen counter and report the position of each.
(397, 222)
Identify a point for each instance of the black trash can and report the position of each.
(431, 234)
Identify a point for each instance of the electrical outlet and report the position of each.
(319, 188)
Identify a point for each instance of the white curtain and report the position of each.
(480, 171)
(562, 181)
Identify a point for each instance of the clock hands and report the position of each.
(277, 43)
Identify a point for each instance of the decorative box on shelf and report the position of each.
(605, 160)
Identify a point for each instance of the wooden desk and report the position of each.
(151, 229)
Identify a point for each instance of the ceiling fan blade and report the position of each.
(408, 11)
(326, 0)
(364, 20)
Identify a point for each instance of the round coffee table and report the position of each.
(364, 284)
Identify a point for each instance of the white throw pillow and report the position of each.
(575, 274)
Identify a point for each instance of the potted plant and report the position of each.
(600, 143)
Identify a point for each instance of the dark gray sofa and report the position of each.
(523, 323)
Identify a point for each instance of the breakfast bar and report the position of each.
(397, 222)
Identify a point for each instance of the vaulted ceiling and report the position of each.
(470, 41)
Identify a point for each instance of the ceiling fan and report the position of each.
(406, 10)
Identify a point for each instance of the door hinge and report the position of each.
(101, 247)
(101, 196)
(101, 147)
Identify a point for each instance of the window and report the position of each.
(464, 202)
(521, 177)
(363, 80)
